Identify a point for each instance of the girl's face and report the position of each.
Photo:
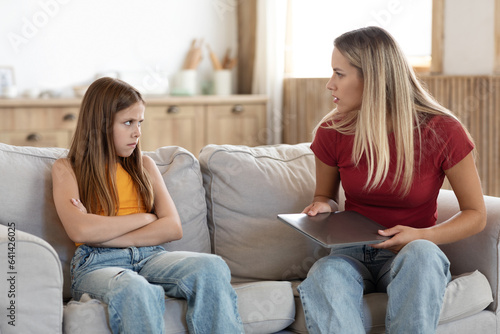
(127, 129)
(345, 84)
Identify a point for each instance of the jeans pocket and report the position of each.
(84, 255)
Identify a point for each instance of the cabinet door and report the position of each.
(38, 126)
(38, 138)
(36, 118)
(239, 124)
(173, 125)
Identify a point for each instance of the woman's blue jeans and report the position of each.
(415, 280)
(133, 283)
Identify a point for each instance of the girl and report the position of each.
(114, 204)
(391, 144)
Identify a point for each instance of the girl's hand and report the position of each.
(79, 205)
(400, 236)
(317, 207)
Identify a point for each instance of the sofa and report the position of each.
(228, 199)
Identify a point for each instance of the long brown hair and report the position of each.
(92, 152)
(392, 95)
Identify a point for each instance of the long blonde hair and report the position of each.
(92, 152)
(391, 93)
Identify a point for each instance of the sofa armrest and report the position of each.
(31, 284)
(478, 252)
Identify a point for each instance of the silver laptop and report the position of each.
(336, 229)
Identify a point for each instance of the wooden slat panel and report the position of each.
(437, 36)
(474, 99)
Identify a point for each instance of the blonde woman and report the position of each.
(391, 145)
(114, 204)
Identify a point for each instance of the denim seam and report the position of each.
(118, 320)
(361, 313)
(304, 308)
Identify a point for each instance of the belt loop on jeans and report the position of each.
(370, 253)
(134, 254)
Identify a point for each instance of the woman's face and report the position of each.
(345, 84)
(127, 129)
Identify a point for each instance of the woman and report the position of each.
(391, 144)
(114, 204)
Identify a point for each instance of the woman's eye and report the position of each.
(128, 123)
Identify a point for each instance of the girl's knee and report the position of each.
(216, 266)
(209, 266)
(128, 284)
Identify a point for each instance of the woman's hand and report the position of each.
(327, 189)
(400, 237)
(317, 207)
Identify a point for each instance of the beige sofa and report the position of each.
(228, 201)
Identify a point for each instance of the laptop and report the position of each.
(336, 229)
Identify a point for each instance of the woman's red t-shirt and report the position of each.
(444, 144)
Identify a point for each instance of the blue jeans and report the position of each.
(133, 283)
(415, 280)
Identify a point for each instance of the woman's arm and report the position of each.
(80, 226)
(165, 229)
(470, 220)
(326, 195)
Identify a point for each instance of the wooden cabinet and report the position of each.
(181, 125)
(189, 122)
(193, 122)
(29, 125)
(240, 124)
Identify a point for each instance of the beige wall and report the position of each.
(469, 32)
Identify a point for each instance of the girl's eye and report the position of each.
(340, 75)
(128, 123)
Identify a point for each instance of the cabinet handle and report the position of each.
(69, 117)
(173, 110)
(238, 109)
(33, 137)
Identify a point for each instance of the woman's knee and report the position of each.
(422, 254)
(423, 249)
(336, 268)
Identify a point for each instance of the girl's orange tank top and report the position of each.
(129, 201)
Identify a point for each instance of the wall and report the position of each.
(56, 44)
(469, 46)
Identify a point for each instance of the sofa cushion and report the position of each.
(181, 173)
(465, 295)
(265, 307)
(31, 284)
(27, 201)
(246, 189)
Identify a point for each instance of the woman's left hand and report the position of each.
(400, 237)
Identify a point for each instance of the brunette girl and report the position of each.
(114, 204)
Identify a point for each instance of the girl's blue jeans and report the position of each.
(415, 280)
(133, 283)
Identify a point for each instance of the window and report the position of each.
(314, 24)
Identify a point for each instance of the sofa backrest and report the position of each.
(246, 189)
(26, 197)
